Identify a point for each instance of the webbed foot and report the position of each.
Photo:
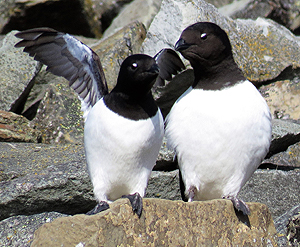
(136, 203)
(101, 206)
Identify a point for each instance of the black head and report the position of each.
(137, 75)
(204, 43)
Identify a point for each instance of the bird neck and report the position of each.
(216, 76)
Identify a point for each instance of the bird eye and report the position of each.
(203, 36)
(134, 65)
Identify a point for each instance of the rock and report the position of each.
(15, 128)
(201, 223)
(26, 159)
(284, 134)
(49, 178)
(281, 224)
(114, 49)
(89, 18)
(59, 115)
(138, 10)
(259, 47)
(293, 230)
(284, 12)
(19, 230)
(285, 160)
(281, 96)
(279, 190)
(17, 73)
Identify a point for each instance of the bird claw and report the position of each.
(239, 204)
(101, 206)
(136, 203)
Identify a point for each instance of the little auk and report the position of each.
(124, 128)
(220, 128)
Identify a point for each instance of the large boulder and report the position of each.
(210, 223)
(17, 75)
(262, 48)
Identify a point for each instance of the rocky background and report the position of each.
(42, 164)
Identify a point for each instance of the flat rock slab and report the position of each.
(163, 223)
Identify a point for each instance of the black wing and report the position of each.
(169, 64)
(66, 56)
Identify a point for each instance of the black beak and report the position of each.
(181, 45)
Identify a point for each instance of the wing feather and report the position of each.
(169, 64)
(66, 56)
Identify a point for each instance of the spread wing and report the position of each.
(169, 64)
(66, 56)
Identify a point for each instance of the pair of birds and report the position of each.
(220, 128)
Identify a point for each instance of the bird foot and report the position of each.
(136, 203)
(101, 206)
(191, 193)
(239, 204)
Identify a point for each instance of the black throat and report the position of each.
(217, 77)
(143, 107)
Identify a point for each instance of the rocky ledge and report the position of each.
(43, 177)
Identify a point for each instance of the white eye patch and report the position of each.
(134, 65)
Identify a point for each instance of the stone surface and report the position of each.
(282, 97)
(293, 230)
(15, 128)
(114, 49)
(201, 223)
(262, 48)
(285, 12)
(281, 223)
(284, 134)
(19, 230)
(279, 190)
(89, 17)
(17, 73)
(138, 10)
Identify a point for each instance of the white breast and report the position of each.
(220, 137)
(120, 152)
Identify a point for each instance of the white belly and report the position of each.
(220, 138)
(120, 152)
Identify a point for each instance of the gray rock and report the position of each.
(284, 134)
(281, 223)
(285, 12)
(259, 47)
(17, 73)
(138, 10)
(279, 190)
(19, 230)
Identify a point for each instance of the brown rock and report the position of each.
(283, 98)
(163, 223)
(82, 17)
(15, 128)
(114, 49)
